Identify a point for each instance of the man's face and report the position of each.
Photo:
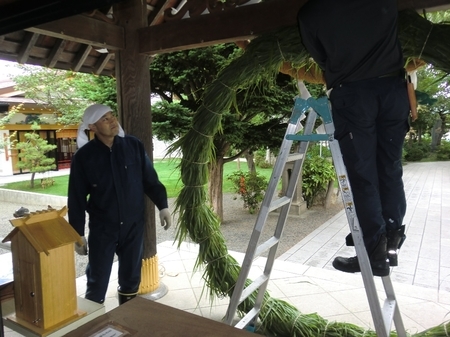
(106, 126)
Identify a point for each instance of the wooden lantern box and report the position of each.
(42, 246)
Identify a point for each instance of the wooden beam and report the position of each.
(156, 15)
(133, 99)
(81, 57)
(101, 63)
(27, 45)
(16, 15)
(242, 23)
(86, 30)
(56, 51)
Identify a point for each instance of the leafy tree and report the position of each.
(434, 105)
(67, 92)
(434, 91)
(256, 121)
(32, 154)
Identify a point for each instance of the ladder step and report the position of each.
(264, 247)
(253, 286)
(279, 203)
(247, 318)
(294, 157)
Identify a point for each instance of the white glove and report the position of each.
(81, 249)
(165, 217)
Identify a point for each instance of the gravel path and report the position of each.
(236, 227)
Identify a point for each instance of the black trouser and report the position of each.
(371, 121)
(127, 243)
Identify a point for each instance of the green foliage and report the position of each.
(443, 151)
(432, 95)
(416, 151)
(97, 89)
(260, 159)
(32, 154)
(67, 92)
(183, 75)
(250, 186)
(316, 149)
(7, 119)
(317, 172)
(255, 118)
(170, 120)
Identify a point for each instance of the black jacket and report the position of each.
(351, 40)
(110, 184)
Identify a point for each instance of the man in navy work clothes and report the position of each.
(109, 177)
(355, 43)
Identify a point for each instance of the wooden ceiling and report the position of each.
(83, 35)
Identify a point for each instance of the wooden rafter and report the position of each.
(28, 44)
(81, 57)
(55, 53)
(21, 14)
(86, 30)
(241, 23)
(101, 63)
(156, 11)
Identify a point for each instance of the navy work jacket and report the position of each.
(111, 184)
(352, 40)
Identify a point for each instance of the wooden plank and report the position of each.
(41, 216)
(27, 45)
(86, 30)
(32, 240)
(242, 23)
(59, 294)
(141, 316)
(21, 14)
(55, 53)
(102, 62)
(81, 57)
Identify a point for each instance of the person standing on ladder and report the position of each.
(355, 43)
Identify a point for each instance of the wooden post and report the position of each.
(133, 98)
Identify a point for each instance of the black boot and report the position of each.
(349, 240)
(125, 297)
(395, 239)
(378, 261)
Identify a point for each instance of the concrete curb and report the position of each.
(29, 198)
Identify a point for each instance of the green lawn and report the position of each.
(167, 170)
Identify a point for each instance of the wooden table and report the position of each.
(6, 284)
(142, 317)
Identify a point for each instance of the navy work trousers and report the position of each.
(371, 121)
(103, 243)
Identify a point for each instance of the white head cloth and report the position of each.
(91, 115)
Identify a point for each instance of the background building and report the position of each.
(27, 111)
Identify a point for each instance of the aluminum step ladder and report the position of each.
(244, 288)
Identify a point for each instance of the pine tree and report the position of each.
(32, 154)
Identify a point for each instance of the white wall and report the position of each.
(159, 148)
